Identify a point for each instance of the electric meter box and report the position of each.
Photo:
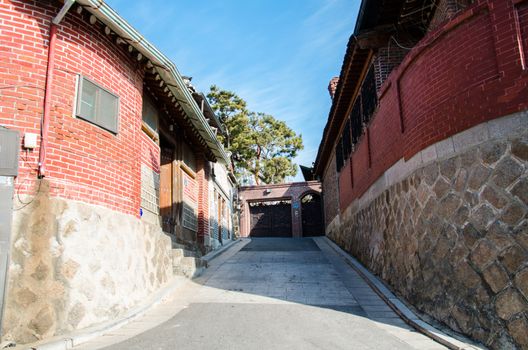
(9, 148)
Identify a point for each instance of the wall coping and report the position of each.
(452, 146)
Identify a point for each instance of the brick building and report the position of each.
(109, 161)
(281, 210)
(423, 159)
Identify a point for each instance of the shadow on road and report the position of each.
(281, 293)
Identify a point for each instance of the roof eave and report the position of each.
(164, 67)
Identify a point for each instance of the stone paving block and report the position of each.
(361, 290)
(365, 295)
(398, 329)
(370, 300)
(307, 290)
(393, 321)
(381, 307)
(382, 314)
(425, 344)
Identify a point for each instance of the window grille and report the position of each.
(339, 155)
(362, 111)
(189, 158)
(369, 96)
(97, 105)
(347, 142)
(190, 217)
(150, 116)
(355, 121)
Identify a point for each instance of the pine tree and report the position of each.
(260, 145)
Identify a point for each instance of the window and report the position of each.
(369, 96)
(339, 155)
(150, 117)
(189, 158)
(190, 217)
(97, 105)
(347, 142)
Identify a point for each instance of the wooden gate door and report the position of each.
(312, 215)
(166, 183)
(270, 220)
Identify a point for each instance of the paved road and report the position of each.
(272, 294)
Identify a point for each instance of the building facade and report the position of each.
(110, 165)
(281, 210)
(424, 160)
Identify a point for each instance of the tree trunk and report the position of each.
(257, 166)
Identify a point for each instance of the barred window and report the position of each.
(97, 105)
(190, 216)
(347, 142)
(339, 155)
(369, 95)
(189, 158)
(355, 121)
(150, 117)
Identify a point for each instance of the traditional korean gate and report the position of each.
(270, 219)
(312, 215)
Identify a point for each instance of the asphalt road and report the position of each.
(276, 294)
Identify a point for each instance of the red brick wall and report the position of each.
(202, 178)
(345, 183)
(466, 72)
(84, 162)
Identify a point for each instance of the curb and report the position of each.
(68, 341)
(399, 307)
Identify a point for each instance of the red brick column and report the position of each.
(202, 177)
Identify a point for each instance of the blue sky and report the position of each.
(278, 55)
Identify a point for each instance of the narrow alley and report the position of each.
(345, 174)
(271, 293)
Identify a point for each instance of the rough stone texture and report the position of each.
(509, 303)
(519, 331)
(521, 281)
(521, 190)
(330, 193)
(452, 239)
(74, 265)
(496, 277)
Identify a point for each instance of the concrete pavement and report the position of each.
(271, 294)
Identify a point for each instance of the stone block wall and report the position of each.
(452, 236)
(75, 264)
(478, 77)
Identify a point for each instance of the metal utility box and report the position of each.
(9, 148)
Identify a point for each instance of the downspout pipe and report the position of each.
(48, 92)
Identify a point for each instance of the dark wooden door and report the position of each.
(165, 196)
(312, 215)
(273, 220)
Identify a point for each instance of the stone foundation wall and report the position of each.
(330, 192)
(452, 237)
(74, 265)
